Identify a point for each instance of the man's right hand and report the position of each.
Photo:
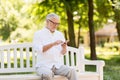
(48, 46)
(58, 42)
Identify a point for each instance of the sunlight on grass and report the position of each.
(105, 53)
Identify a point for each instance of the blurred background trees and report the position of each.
(15, 23)
(115, 4)
(80, 19)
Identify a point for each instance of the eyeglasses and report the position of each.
(56, 24)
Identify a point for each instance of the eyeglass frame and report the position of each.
(56, 24)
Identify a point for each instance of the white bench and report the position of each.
(17, 62)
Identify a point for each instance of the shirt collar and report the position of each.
(49, 30)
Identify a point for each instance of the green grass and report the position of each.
(112, 68)
(112, 62)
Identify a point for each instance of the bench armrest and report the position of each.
(94, 62)
(99, 64)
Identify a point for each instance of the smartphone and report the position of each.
(66, 42)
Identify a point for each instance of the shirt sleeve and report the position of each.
(37, 43)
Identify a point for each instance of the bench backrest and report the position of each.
(16, 58)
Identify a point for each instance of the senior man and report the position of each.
(50, 45)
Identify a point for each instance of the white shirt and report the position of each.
(52, 56)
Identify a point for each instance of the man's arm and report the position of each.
(48, 46)
(64, 47)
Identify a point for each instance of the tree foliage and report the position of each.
(14, 20)
(19, 20)
(116, 9)
(8, 20)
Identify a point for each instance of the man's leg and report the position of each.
(44, 73)
(68, 72)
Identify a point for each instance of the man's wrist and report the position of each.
(53, 44)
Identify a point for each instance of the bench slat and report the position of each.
(33, 58)
(8, 59)
(16, 70)
(27, 57)
(72, 59)
(15, 57)
(27, 77)
(2, 59)
(21, 57)
(67, 59)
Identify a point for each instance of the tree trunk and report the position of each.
(117, 18)
(91, 30)
(71, 33)
(78, 39)
(118, 29)
(65, 33)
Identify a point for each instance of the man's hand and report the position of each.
(48, 46)
(58, 42)
(64, 45)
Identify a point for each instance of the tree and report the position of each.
(69, 12)
(15, 21)
(91, 30)
(8, 21)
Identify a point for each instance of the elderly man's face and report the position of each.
(53, 23)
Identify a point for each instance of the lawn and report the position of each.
(111, 56)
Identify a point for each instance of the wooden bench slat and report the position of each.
(15, 57)
(27, 77)
(27, 57)
(21, 58)
(8, 59)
